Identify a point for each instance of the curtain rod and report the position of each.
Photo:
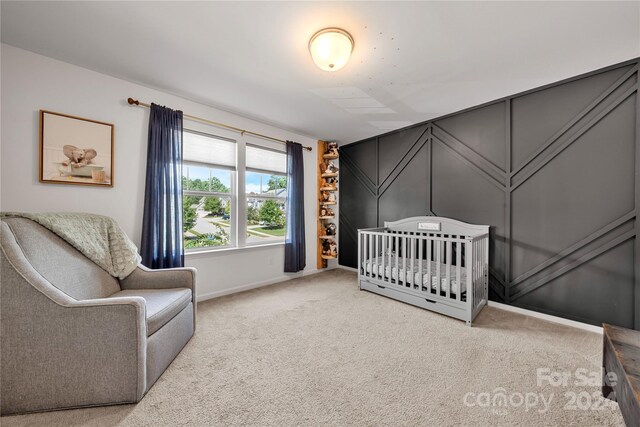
(132, 101)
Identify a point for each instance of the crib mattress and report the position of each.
(452, 286)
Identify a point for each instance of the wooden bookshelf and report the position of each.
(324, 220)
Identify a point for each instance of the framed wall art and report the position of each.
(74, 150)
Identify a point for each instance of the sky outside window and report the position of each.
(258, 183)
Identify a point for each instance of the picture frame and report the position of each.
(75, 150)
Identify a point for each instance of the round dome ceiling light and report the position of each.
(331, 48)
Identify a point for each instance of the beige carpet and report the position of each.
(317, 351)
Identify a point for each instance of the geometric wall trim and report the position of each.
(555, 171)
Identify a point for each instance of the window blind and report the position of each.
(208, 149)
(265, 159)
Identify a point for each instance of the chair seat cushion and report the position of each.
(162, 305)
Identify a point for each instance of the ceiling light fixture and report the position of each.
(331, 48)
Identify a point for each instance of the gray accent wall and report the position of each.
(555, 171)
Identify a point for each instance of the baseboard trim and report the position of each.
(283, 278)
(547, 317)
(247, 287)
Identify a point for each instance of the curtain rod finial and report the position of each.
(132, 101)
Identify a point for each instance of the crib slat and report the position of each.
(370, 255)
(429, 259)
(390, 241)
(458, 267)
(438, 263)
(485, 269)
(420, 276)
(404, 261)
(365, 259)
(380, 256)
(412, 256)
(378, 253)
(394, 247)
(447, 266)
(409, 280)
(417, 242)
(476, 254)
(478, 295)
(407, 273)
(409, 261)
(366, 254)
(363, 251)
(389, 250)
(397, 255)
(383, 242)
(470, 273)
(389, 266)
(474, 271)
(467, 267)
(375, 254)
(359, 256)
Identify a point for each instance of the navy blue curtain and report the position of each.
(294, 247)
(162, 245)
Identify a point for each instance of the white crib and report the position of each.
(435, 263)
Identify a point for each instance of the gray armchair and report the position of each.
(72, 335)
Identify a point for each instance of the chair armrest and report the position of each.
(119, 326)
(146, 278)
(133, 307)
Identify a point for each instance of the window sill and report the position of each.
(226, 251)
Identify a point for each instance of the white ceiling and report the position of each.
(412, 60)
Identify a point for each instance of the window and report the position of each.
(217, 212)
(266, 197)
(266, 193)
(208, 177)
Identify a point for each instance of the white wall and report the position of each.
(30, 82)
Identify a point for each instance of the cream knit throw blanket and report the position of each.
(98, 237)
